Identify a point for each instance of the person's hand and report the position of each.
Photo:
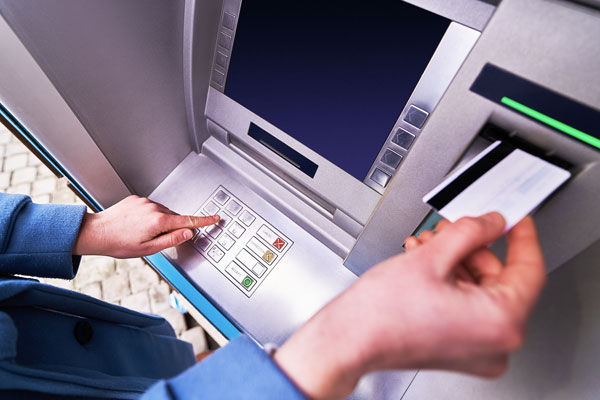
(135, 227)
(414, 311)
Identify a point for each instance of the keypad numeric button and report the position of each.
(221, 197)
(215, 253)
(214, 231)
(211, 208)
(247, 218)
(237, 230)
(233, 207)
(226, 241)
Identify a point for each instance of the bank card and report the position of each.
(501, 178)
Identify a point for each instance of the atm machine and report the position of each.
(314, 131)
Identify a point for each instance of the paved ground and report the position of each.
(130, 283)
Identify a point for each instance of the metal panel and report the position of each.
(472, 13)
(30, 96)
(118, 65)
(200, 26)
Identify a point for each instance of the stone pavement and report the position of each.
(130, 282)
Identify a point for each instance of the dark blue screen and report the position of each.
(334, 75)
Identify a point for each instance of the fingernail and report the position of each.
(494, 218)
(187, 235)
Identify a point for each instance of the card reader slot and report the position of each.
(492, 133)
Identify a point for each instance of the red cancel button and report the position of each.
(279, 244)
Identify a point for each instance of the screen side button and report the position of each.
(225, 41)
(218, 77)
(221, 59)
(229, 21)
(416, 116)
(403, 138)
(380, 177)
(391, 158)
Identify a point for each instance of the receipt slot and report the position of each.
(318, 164)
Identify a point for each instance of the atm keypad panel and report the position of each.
(243, 246)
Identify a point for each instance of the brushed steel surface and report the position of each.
(472, 13)
(30, 96)
(125, 85)
(200, 26)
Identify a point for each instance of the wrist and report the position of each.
(326, 357)
(89, 238)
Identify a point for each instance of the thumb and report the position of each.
(170, 239)
(460, 239)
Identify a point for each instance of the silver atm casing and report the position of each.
(151, 120)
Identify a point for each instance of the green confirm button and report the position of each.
(247, 282)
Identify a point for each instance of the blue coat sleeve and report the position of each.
(37, 239)
(240, 371)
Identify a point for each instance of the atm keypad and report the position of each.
(242, 245)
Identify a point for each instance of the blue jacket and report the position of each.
(58, 343)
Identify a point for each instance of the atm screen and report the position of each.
(335, 75)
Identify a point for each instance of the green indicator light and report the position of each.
(247, 281)
(569, 130)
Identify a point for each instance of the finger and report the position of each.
(489, 366)
(442, 225)
(411, 243)
(425, 236)
(463, 274)
(170, 239)
(524, 271)
(187, 221)
(166, 210)
(461, 238)
(484, 266)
